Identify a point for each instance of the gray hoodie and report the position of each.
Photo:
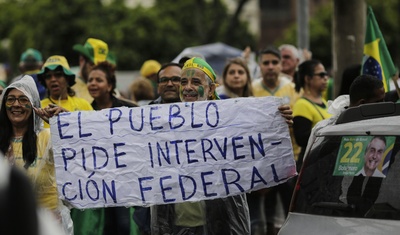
(28, 86)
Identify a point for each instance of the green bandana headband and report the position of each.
(198, 63)
(201, 64)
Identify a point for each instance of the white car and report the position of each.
(350, 180)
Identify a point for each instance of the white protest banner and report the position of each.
(170, 153)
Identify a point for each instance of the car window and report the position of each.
(334, 181)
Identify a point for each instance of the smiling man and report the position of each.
(219, 216)
(197, 81)
(169, 81)
(373, 156)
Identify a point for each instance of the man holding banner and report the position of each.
(219, 216)
(198, 158)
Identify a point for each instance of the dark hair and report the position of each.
(305, 69)
(29, 65)
(18, 203)
(349, 74)
(183, 60)
(29, 148)
(109, 70)
(270, 50)
(248, 91)
(164, 66)
(364, 87)
(383, 138)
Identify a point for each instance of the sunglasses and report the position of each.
(23, 100)
(321, 74)
(57, 74)
(165, 80)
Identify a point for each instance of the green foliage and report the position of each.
(320, 35)
(133, 35)
(386, 13)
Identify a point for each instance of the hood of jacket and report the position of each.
(27, 85)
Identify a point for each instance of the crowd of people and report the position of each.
(47, 89)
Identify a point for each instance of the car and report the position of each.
(350, 179)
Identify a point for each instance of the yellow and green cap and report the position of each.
(201, 64)
(94, 49)
(54, 62)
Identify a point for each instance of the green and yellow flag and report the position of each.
(377, 60)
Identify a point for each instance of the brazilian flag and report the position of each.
(377, 60)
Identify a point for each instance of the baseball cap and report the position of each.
(94, 49)
(54, 62)
(31, 53)
(149, 67)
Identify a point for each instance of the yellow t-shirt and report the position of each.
(72, 103)
(41, 171)
(285, 90)
(312, 112)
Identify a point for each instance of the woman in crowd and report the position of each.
(101, 85)
(57, 77)
(236, 80)
(114, 220)
(311, 107)
(26, 145)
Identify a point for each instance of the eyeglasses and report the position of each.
(165, 80)
(286, 57)
(23, 100)
(267, 62)
(321, 74)
(57, 74)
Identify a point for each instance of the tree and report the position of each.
(134, 35)
(320, 35)
(386, 13)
